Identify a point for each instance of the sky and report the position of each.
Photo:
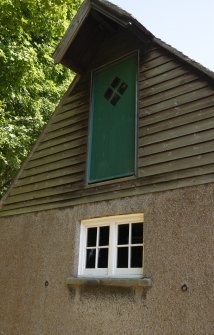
(187, 25)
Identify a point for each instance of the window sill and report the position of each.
(115, 282)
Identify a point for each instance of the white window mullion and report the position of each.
(112, 251)
(129, 248)
(97, 247)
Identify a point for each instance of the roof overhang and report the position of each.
(94, 22)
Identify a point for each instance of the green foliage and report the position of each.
(30, 84)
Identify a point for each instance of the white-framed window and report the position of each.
(112, 246)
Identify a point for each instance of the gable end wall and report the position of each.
(175, 137)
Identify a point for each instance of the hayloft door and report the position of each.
(112, 137)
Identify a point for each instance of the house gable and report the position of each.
(175, 135)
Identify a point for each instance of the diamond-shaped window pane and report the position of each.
(115, 99)
(108, 93)
(115, 82)
(122, 88)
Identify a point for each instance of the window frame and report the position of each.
(119, 178)
(111, 271)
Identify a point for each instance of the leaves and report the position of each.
(30, 84)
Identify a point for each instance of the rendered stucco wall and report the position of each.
(179, 248)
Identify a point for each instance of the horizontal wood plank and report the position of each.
(63, 139)
(59, 148)
(192, 128)
(60, 156)
(153, 63)
(162, 77)
(172, 93)
(181, 120)
(48, 167)
(177, 165)
(74, 113)
(51, 175)
(176, 101)
(64, 131)
(175, 154)
(180, 142)
(166, 85)
(76, 177)
(158, 70)
(181, 109)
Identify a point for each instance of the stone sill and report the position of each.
(115, 282)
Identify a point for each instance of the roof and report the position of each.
(106, 16)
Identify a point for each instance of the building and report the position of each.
(108, 227)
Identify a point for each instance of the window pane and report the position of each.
(122, 257)
(115, 82)
(103, 258)
(115, 99)
(104, 236)
(136, 257)
(122, 88)
(108, 93)
(92, 237)
(123, 234)
(137, 233)
(90, 258)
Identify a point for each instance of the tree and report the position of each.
(30, 84)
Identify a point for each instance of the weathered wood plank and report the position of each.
(182, 109)
(177, 165)
(152, 63)
(55, 158)
(176, 101)
(71, 113)
(175, 154)
(172, 93)
(50, 175)
(63, 139)
(67, 130)
(73, 106)
(158, 70)
(75, 97)
(42, 194)
(49, 167)
(152, 53)
(157, 80)
(166, 85)
(183, 141)
(177, 132)
(78, 119)
(181, 120)
(76, 177)
(59, 148)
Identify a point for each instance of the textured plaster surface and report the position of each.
(38, 251)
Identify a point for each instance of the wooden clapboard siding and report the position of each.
(188, 151)
(48, 167)
(180, 142)
(176, 121)
(181, 109)
(176, 165)
(75, 153)
(50, 175)
(175, 137)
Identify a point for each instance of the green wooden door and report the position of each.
(112, 128)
